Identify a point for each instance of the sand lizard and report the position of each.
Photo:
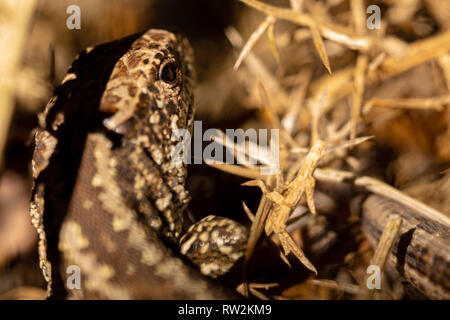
(106, 196)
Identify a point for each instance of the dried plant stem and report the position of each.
(348, 144)
(272, 42)
(252, 40)
(256, 230)
(16, 17)
(238, 170)
(359, 18)
(299, 18)
(346, 287)
(358, 91)
(259, 70)
(316, 112)
(416, 54)
(386, 241)
(421, 254)
(287, 197)
(384, 247)
(421, 51)
(332, 175)
(296, 5)
(435, 103)
(381, 188)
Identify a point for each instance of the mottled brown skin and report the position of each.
(106, 196)
(421, 252)
(215, 244)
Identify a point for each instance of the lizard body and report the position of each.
(106, 196)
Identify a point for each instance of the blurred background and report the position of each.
(410, 150)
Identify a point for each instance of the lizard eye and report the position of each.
(168, 72)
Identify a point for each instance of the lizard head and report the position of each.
(151, 85)
(148, 97)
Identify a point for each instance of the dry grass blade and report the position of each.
(253, 286)
(320, 47)
(376, 62)
(258, 294)
(328, 30)
(442, 144)
(358, 91)
(346, 287)
(385, 244)
(238, 150)
(259, 70)
(316, 110)
(416, 53)
(334, 135)
(299, 150)
(299, 18)
(248, 212)
(16, 16)
(444, 62)
(252, 40)
(381, 188)
(296, 5)
(386, 241)
(333, 175)
(287, 198)
(421, 51)
(435, 103)
(304, 182)
(328, 174)
(24, 293)
(359, 18)
(264, 285)
(238, 170)
(283, 13)
(348, 144)
(272, 42)
(268, 111)
(291, 119)
(256, 230)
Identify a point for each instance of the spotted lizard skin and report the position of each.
(106, 196)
